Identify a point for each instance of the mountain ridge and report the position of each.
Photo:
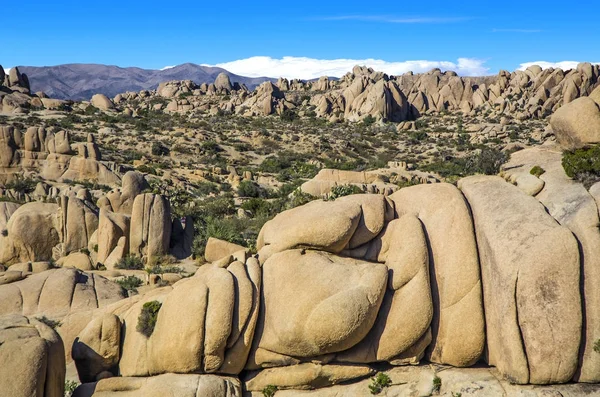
(80, 81)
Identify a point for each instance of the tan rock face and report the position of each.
(34, 358)
(577, 124)
(574, 207)
(338, 313)
(184, 385)
(150, 231)
(101, 102)
(305, 376)
(530, 271)
(458, 324)
(403, 321)
(78, 221)
(31, 234)
(97, 348)
(56, 293)
(217, 249)
(215, 331)
(111, 228)
(323, 225)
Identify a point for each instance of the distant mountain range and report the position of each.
(81, 81)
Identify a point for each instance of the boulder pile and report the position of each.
(16, 97)
(365, 93)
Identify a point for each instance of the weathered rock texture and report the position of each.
(530, 283)
(33, 358)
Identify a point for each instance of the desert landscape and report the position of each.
(421, 234)
(336, 199)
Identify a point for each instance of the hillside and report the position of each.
(81, 81)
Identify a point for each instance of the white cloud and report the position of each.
(168, 67)
(310, 68)
(393, 19)
(564, 65)
(6, 70)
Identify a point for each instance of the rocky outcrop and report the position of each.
(570, 204)
(31, 234)
(530, 283)
(338, 313)
(150, 230)
(577, 123)
(367, 94)
(159, 386)
(56, 293)
(454, 271)
(34, 357)
(101, 102)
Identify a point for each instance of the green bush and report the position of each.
(369, 120)
(23, 185)
(158, 149)
(248, 189)
(269, 391)
(211, 147)
(288, 115)
(537, 171)
(130, 262)
(379, 382)
(343, 190)
(583, 165)
(486, 161)
(437, 384)
(130, 283)
(70, 387)
(257, 207)
(148, 317)
(597, 346)
(147, 169)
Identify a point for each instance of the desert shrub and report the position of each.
(49, 322)
(343, 190)
(258, 207)
(288, 115)
(583, 165)
(437, 384)
(269, 391)
(90, 185)
(163, 264)
(537, 171)
(275, 164)
(248, 189)
(147, 169)
(211, 147)
(206, 188)
(130, 262)
(379, 382)
(24, 185)
(158, 149)
(369, 120)
(597, 346)
(402, 183)
(148, 317)
(486, 161)
(70, 386)
(130, 283)
(417, 136)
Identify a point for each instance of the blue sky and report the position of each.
(149, 34)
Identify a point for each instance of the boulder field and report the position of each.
(485, 272)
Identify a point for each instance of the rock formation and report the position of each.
(365, 93)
